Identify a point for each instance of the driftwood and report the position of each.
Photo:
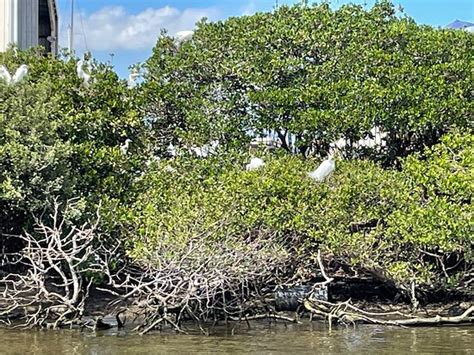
(466, 317)
(346, 313)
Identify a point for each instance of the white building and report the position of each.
(29, 23)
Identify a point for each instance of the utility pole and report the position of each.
(71, 30)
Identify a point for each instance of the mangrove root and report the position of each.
(346, 313)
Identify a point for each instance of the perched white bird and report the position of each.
(20, 74)
(213, 146)
(5, 75)
(82, 74)
(183, 36)
(171, 150)
(200, 152)
(132, 79)
(326, 168)
(124, 147)
(255, 164)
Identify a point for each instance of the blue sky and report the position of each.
(129, 28)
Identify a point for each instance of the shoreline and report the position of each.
(103, 311)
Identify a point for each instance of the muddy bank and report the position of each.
(369, 301)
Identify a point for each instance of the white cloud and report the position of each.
(250, 8)
(113, 28)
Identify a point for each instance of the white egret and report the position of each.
(255, 164)
(82, 74)
(5, 75)
(200, 152)
(326, 168)
(20, 74)
(132, 79)
(124, 147)
(213, 147)
(171, 150)
(183, 36)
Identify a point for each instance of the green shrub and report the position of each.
(317, 74)
(60, 140)
(377, 220)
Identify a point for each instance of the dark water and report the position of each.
(261, 339)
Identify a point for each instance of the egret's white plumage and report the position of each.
(255, 164)
(124, 147)
(171, 150)
(183, 36)
(132, 79)
(5, 75)
(20, 74)
(326, 168)
(198, 151)
(82, 74)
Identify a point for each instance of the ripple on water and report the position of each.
(275, 339)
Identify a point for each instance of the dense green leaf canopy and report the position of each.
(317, 75)
(59, 139)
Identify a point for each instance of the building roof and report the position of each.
(457, 24)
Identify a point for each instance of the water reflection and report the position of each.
(279, 339)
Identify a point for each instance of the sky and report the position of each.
(123, 32)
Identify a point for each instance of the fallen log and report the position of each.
(345, 313)
(437, 320)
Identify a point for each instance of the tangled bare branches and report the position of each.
(202, 281)
(49, 287)
(345, 313)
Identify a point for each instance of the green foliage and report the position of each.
(59, 139)
(444, 179)
(317, 74)
(306, 71)
(376, 219)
